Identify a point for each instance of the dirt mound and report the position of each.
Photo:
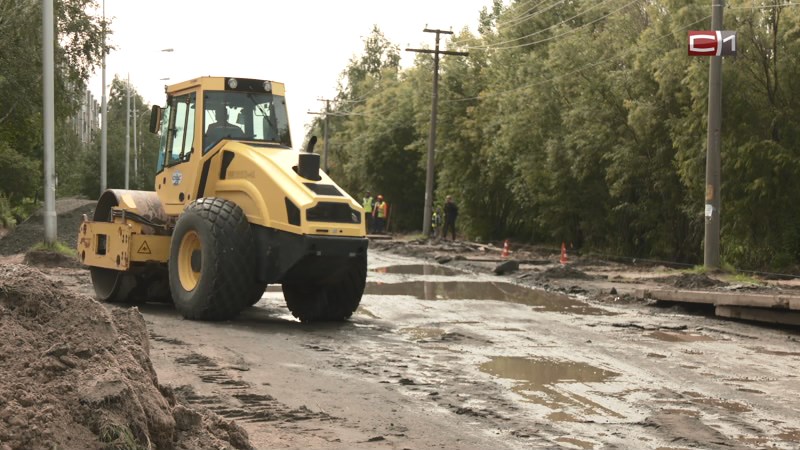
(691, 281)
(564, 272)
(74, 374)
(30, 232)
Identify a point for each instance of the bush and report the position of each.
(6, 213)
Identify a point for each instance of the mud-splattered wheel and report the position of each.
(141, 283)
(212, 264)
(331, 302)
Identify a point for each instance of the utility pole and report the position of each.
(48, 93)
(127, 131)
(103, 115)
(426, 220)
(713, 164)
(325, 147)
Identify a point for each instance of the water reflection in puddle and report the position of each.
(679, 337)
(476, 290)
(537, 379)
(419, 269)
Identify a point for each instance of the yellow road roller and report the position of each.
(235, 208)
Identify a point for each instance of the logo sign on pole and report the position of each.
(712, 43)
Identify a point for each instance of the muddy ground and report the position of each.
(451, 355)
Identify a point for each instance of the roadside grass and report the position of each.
(728, 271)
(57, 247)
(118, 437)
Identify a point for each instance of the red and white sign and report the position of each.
(712, 43)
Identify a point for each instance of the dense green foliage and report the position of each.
(78, 52)
(585, 121)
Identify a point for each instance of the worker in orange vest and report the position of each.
(380, 213)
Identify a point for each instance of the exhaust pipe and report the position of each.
(308, 165)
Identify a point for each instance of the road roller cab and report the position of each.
(234, 209)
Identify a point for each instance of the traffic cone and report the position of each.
(563, 260)
(506, 252)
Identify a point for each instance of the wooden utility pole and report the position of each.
(713, 160)
(127, 131)
(426, 220)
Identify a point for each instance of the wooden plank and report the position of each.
(760, 315)
(724, 298)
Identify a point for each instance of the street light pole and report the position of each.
(104, 115)
(48, 78)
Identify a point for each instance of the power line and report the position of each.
(777, 5)
(578, 70)
(525, 16)
(570, 31)
(517, 19)
(496, 44)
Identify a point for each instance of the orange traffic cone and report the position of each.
(506, 252)
(563, 260)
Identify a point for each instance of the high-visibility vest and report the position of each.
(368, 203)
(382, 210)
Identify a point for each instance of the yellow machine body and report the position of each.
(225, 138)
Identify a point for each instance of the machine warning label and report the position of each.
(144, 248)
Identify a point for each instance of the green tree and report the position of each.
(79, 47)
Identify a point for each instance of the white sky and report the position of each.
(303, 43)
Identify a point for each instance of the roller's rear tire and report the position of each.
(212, 264)
(258, 291)
(332, 302)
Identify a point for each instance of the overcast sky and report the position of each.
(303, 43)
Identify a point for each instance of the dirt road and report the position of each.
(442, 358)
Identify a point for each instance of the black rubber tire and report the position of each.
(332, 302)
(258, 291)
(227, 264)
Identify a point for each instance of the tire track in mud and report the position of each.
(241, 402)
(430, 377)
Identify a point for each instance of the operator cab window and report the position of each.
(251, 116)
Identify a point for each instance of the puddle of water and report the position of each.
(537, 379)
(791, 435)
(679, 337)
(474, 290)
(765, 351)
(683, 412)
(423, 334)
(718, 403)
(561, 416)
(750, 391)
(576, 442)
(420, 269)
